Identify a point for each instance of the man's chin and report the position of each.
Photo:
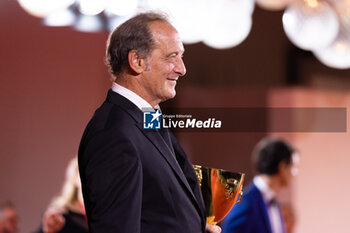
(173, 94)
(170, 95)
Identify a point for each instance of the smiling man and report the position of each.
(137, 180)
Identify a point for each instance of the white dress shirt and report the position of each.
(132, 96)
(272, 209)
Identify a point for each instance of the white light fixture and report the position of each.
(89, 23)
(91, 7)
(224, 36)
(246, 6)
(121, 7)
(43, 8)
(274, 5)
(311, 25)
(114, 21)
(63, 17)
(337, 55)
(218, 23)
(343, 9)
(191, 20)
(187, 16)
(229, 24)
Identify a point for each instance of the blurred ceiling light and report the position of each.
(228, 26)
(42, 8)
(114, 21)
(311, 3)
(205, 20)
(309, 27)
(91, 7)
(221, 24)
(121, 7)
(218, 23)
(246, 6)
(229, 35)
(89, 23)
(337, 55)
(63, 17)
(274, 5)
(343, 9)
(184, 15)
(188, 16)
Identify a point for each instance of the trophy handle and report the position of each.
(240, 197)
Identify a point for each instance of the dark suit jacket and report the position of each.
(131, 180)
(249, 216)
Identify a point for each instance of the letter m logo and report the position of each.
(152, 119)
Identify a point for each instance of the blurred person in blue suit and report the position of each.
(275, 162)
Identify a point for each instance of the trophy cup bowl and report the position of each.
(220, 191)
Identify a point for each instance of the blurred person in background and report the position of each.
(275, 162)
(66, 212)
(8, 218)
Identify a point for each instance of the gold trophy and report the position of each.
(220, 190)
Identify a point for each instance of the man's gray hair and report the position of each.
(134, 34)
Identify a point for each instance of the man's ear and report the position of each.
(282, 167)
(136, 62)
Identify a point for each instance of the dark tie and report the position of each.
(273, 202)
(166, 136)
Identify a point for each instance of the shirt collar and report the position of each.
(132, 96)
(266, 192)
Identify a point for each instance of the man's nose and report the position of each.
(180, 67)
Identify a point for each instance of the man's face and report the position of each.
(164, 64)
(290, 170)
(9, 220)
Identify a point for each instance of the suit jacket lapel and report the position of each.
(187, 168)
